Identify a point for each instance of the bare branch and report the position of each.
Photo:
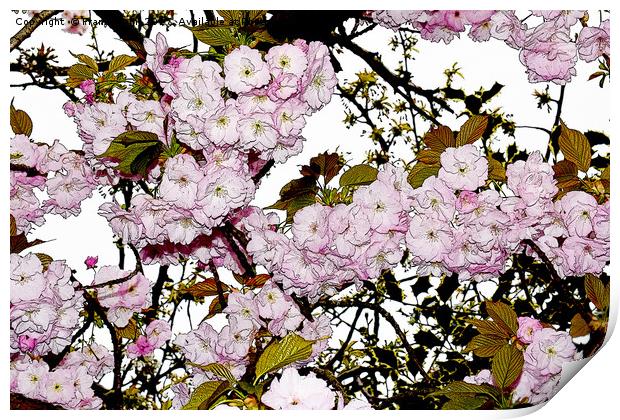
(36, 21)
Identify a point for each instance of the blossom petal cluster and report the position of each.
(548, 50)
(44, 308)
(63, 175)
(249, 313)
(456, 222)
(230, 120)
(546, 352)
(69, 387)
(334, 246)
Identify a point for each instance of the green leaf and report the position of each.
(597, 292)
(264, 36)
(18, 243)
(90, 62)
(440, 138)
(466, 388)
(575, 147)
(206, 394)
(215, 36)
(119, 62)
(503, 315)
(490, 328)
(257, 281)
(420, 172)
(13, 226)
(231, 15)
(506, 366)
(295, 195)
(134, 151)
(566, 175)
(485, 346)
(281, 353)
(215, 307)
(472, 130)
(464, 402)
(325, 164)
(78, 73)
(428, 156)
(220, 370)
(358, 175)
(21, 123)
(130, 331)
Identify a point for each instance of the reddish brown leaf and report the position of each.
(440, 138)
(257, 281)
(207, 287)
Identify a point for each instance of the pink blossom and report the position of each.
(319, 80)
(467, 201)
(482, 377)
(549, 350)
(140, 348)
(577, 208)
(532, 180)
(593, 42)
(527, 327)
(463, 168)
(179, 184)
(245, 70)
(561, 18)
(310, 229)
(549, 55)
(91, 262)
(584, 256)
(295, 392)
(287, 58)
(506, 26)
(88, 87)
(428, 239)
(158, 332)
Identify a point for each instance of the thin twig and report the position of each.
(392, 321)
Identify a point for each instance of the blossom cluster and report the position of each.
(63, 174)
(547, 50)
(456, 222)
(270, 310)
(335, 246)
(458, 227)
(230, 126)
(547, 350)
(44, 308)
(68, 386)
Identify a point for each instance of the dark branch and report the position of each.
(36, 21)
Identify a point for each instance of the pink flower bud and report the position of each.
(91, 262)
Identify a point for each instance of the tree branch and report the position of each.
(125, 30)
(36, 21)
